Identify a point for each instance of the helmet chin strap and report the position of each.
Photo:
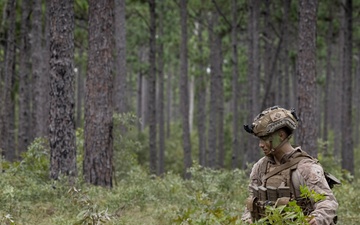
(273, 149)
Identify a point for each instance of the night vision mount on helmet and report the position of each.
(271, 120)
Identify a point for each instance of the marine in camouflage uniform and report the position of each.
(276, 178)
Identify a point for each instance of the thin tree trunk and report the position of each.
(220, 101)
(168, 102)
(201, 101)
(24, 79)
(8, 145)
(347, 153)
(286, 47)
(252, 152)
(328, 89)
(212, 131)
(152, 89)
(161, 119)
(139, 102)
(191, 102)
(41, 80)
(80, 91)
(184, 89)
(120, 89)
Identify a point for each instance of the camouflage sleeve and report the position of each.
(254, 181)
(313, 174)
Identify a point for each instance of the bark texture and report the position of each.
(98, 157)
(62, 121)
(306, 73)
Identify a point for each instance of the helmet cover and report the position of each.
(271, 120)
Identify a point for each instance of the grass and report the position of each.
(29, 197)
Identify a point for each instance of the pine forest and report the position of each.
(133, 111)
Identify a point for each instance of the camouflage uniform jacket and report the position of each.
(309, 173)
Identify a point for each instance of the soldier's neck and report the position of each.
(282, 151)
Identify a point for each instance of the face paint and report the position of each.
(276, 141)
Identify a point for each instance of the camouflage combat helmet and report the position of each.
(271, 120)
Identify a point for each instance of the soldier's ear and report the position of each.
(283, 135)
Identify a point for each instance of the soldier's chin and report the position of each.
(267, 152)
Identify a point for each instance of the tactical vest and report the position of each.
(277, 186)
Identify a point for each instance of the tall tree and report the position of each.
(306, 73)
(235, 85)
(347, 153)
(329, 77)
(212, 131)
(161, 118)
(98, 155)
(8, 144)
(184, 88)
(201, 97)
(120, 88)
(40, 79)
(62, 121)
(24, 79)
(152, 89)
(252, 152)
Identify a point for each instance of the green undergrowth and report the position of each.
(28, 196)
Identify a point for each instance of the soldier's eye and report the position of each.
(265, 138)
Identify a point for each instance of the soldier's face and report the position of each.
(265, 144)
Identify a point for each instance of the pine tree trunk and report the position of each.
(306, 73)
(201, 100)
(184, 89)
(252, 152)
(168, 102)
(235, 87)
(160, 107)
(98, 133)
(347, 153)
(152, 89)
(24, 79)
(220, 101)
(212, 131)
(329, 78)
(62, 121)
(120, 88)
(286, 42)
(41, 80)
(8, 145)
